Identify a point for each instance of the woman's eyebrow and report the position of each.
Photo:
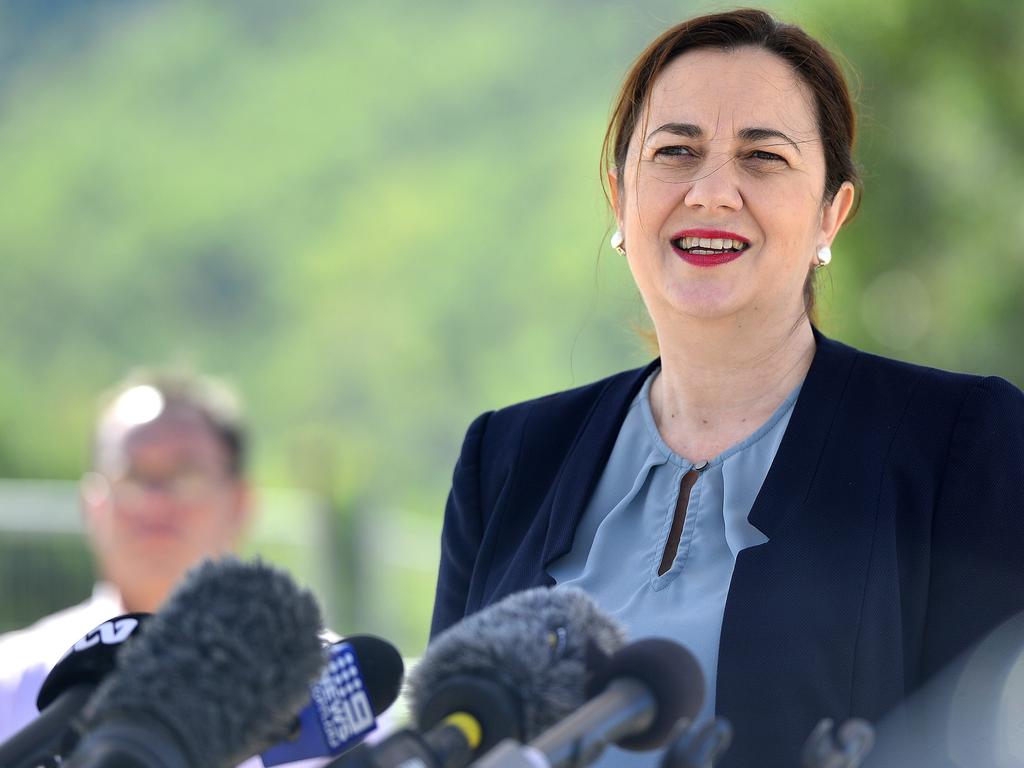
(691, 131)
(760, 134)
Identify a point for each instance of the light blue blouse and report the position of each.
(621, 539)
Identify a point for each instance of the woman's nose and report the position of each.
(715, 186)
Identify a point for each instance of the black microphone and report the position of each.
(217, 676)
(66, 690)
(480, 710)
(382, 668)
(361, 679)
(509, 671)
(641, 694)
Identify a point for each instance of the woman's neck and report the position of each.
(720, 381)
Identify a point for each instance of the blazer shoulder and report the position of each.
(535, 436)
(928, 379)
(1001, 391)
(568, 407)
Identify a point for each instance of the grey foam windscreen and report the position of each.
(223, 667)
(540, 646)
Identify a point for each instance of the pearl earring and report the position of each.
(617, 242)
(824, 256)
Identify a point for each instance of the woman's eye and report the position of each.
(760, 154)
(673, 151)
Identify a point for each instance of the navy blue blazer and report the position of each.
(894, 510)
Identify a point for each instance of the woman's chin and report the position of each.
(704, 302)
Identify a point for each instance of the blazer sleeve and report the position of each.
(461, 533)
(977, 565)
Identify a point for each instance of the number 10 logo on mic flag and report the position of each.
(338, 716)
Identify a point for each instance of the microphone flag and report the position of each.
(338, 716)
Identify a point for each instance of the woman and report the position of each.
(826, 529)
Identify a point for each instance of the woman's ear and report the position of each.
(835, 212)
(613, 192)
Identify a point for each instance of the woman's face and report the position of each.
(722, 205)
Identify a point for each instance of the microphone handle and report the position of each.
(401, 747)
(139, 742)
(509, 753)
(624, 708)
(450, 744)
(443, 746)
(698, 747)
(41, 739)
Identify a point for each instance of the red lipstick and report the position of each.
(707, 257)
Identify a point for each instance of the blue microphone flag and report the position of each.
(338, 716)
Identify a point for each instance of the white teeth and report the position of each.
(717, 243)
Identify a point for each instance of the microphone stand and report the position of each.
(698, 747)
(847, 749)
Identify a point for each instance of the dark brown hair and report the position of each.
(734, 29)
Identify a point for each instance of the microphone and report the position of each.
(846, 748)
(509, 671)
(482, 709)
(540, 645)
(642, 692)
(66, 690)
(698, 747)
(217, 676)
(969, 714)
(362, 678)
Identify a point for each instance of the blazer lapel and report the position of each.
(787, 650)
(568, 497)
(800, 451)
(790, 476)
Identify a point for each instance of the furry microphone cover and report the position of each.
(223, 667)
(540, 645)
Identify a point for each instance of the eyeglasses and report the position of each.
(186, 486)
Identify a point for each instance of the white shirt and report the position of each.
(27, 656)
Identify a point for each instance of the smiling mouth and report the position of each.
(710, 246)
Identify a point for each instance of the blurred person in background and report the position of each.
(167, 488)
(826, 529)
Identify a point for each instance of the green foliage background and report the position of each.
(380, 218)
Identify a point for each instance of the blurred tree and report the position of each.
(380, 219)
